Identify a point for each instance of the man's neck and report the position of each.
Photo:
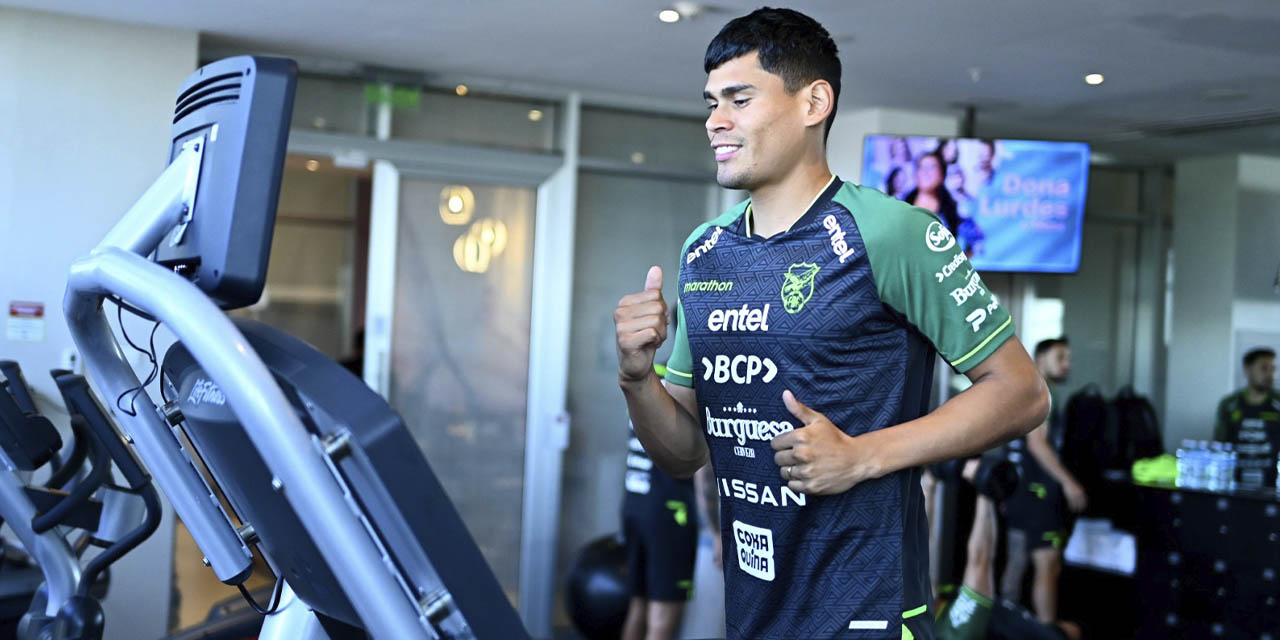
(775, 207)
(1256, 396)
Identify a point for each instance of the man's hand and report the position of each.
(818, 458)
(640, 322)
(1076, 498)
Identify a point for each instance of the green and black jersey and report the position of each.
(847, 309)
(1254, 429)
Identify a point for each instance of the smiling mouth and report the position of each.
(725, 151)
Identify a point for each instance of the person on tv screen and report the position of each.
(930, 192)
(895, 184)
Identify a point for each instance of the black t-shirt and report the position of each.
(1254, 429)
(648, 485)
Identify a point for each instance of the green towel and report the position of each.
(1162, 469)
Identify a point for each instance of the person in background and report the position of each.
(1250, 420)
(661, 536)
(974, 613)
(1037, 512)
(896, 182)
(931, 193)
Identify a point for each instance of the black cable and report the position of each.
(275, 598)
(121, 305)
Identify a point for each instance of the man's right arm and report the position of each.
(1038, 445)
(1221, 433)
(665, 420)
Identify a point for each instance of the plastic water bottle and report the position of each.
(1231, 457)
(1201, 477)
(1213, 467)
(1184, 464)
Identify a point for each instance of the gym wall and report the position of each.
(83, 131)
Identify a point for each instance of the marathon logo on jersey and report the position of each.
(703, 248)
(742, 320)
(740, 369)
(974, 286)
(755, 550)
(838, 244)
(938, 238)
(759, 494)
(708, 286)
(950, 267)
(206, 392)
(744, 429)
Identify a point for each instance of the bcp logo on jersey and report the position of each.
(755, 550)
(938, 238)
(797, 286)
(704, 247)
(741, 369)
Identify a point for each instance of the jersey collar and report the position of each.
(816, 206)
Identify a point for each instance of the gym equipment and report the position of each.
(996, 477)
(596, 591)
(323, 476)
(64, 597)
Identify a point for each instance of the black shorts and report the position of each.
(662, 541)
(1039, 509)
(1009, 621)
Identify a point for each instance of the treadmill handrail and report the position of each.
(117, 267)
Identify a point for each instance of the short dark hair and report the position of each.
(790, 45)
(1258, 353)
(1044, 346)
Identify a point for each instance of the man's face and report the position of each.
(1055, 364)
(756, 129)
(1261, 374)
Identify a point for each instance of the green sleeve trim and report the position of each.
(982, 600)
(1007, 323)
(680, 364)
(915, 612)
(682, 374)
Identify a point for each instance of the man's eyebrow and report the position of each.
(728, 91)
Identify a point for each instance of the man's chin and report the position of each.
(733, 181)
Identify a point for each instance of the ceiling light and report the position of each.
(461, 89)
(637, 158)
(669, 15)
(313, 165)
(1094, 78)
(535, 115)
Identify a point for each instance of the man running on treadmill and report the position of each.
(974, 613)
(811, 316)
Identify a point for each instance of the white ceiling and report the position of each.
(1169, 63)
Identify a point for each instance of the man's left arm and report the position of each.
(922, 273)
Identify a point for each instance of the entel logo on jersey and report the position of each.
(744, 319)
(705, 247)
(938, 238)
(755, 550)
(725, 368)
(838, 245)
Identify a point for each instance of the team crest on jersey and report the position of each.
(797, 286)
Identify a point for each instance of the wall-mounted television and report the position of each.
(1013, 205)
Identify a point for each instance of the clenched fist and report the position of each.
(640, 322)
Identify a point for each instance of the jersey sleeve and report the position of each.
(922, 273)
(680, 364)
(1221, 428)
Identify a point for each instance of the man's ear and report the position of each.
(819, 100)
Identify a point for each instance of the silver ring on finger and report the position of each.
(788, 470)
